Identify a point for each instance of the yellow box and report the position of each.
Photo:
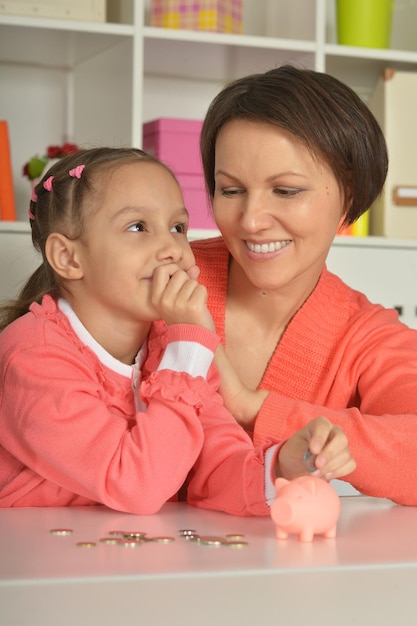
(224, 16)
(79, 10)
(394, 104)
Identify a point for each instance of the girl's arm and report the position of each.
(68, 425)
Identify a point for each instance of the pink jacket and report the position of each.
(347, 359)
(79, 427)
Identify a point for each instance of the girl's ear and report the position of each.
(62, 255)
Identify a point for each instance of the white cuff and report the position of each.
(187, 356)
(270, 456)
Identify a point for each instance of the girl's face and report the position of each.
(276, 206)
(137, 224)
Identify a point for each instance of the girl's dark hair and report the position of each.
(64, 210)
(324, 114)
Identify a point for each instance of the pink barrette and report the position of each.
(48, 183)
(31, 216)
(33, 197)
(76, 172)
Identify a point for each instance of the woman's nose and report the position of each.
(256, 214)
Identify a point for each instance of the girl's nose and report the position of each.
(170, 249)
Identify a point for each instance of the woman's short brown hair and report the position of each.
(326, 115)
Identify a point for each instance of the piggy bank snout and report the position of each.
(283, 511)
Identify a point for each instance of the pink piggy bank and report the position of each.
(305, 506)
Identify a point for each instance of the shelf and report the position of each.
(57, 43)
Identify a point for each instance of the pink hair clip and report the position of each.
(33, 196)
(48, 183)
(76, 172)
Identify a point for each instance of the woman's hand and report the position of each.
(242, 402)
(328, 446)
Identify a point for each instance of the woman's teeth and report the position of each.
(263, 248)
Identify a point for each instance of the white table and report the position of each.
(367, 575)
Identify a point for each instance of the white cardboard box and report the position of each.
(394, 104)
(80, 10)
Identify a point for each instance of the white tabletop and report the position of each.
(366, 575)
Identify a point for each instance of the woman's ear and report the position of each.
(62, 255)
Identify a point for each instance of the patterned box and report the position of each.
(176, 143)
(225, 16)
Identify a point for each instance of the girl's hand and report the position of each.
(178, 298)
(328, 446)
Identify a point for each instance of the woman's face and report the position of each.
(277, 207)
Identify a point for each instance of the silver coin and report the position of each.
(310, 461)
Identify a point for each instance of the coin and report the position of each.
(109, 540)
(86, 544)
(129, 543)
(61, 531)
(310, 461)
(160, 539)
(134, 535)
(233, 536)
(187, 531)
(191, 537)
(236, 544)
(117, 532)
(212, 541)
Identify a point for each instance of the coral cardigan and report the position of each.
(347, 359)
(78, 427)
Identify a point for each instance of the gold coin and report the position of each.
(86, 544)
(233, 536)
(129, 543)
(236, 544)
(110, 540)
(212, 541)
(61, 531)
(160, 539)
(134, 535)
(119, 533)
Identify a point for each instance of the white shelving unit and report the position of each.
(95, 84)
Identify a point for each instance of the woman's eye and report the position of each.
(287, 191)
(180, 228)
(138, 227)
(231, 191)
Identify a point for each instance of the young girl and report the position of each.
(99, 401)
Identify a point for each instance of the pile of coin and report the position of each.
(132, 539)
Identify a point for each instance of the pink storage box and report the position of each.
(176, 142)
(225, 16)
(196, 201)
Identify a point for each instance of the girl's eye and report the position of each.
(180, 228)
(138, 227)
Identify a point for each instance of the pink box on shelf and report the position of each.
(224, 16)
(176, 142)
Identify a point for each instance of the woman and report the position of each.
(287, 155)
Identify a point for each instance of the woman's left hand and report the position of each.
(328, 447)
